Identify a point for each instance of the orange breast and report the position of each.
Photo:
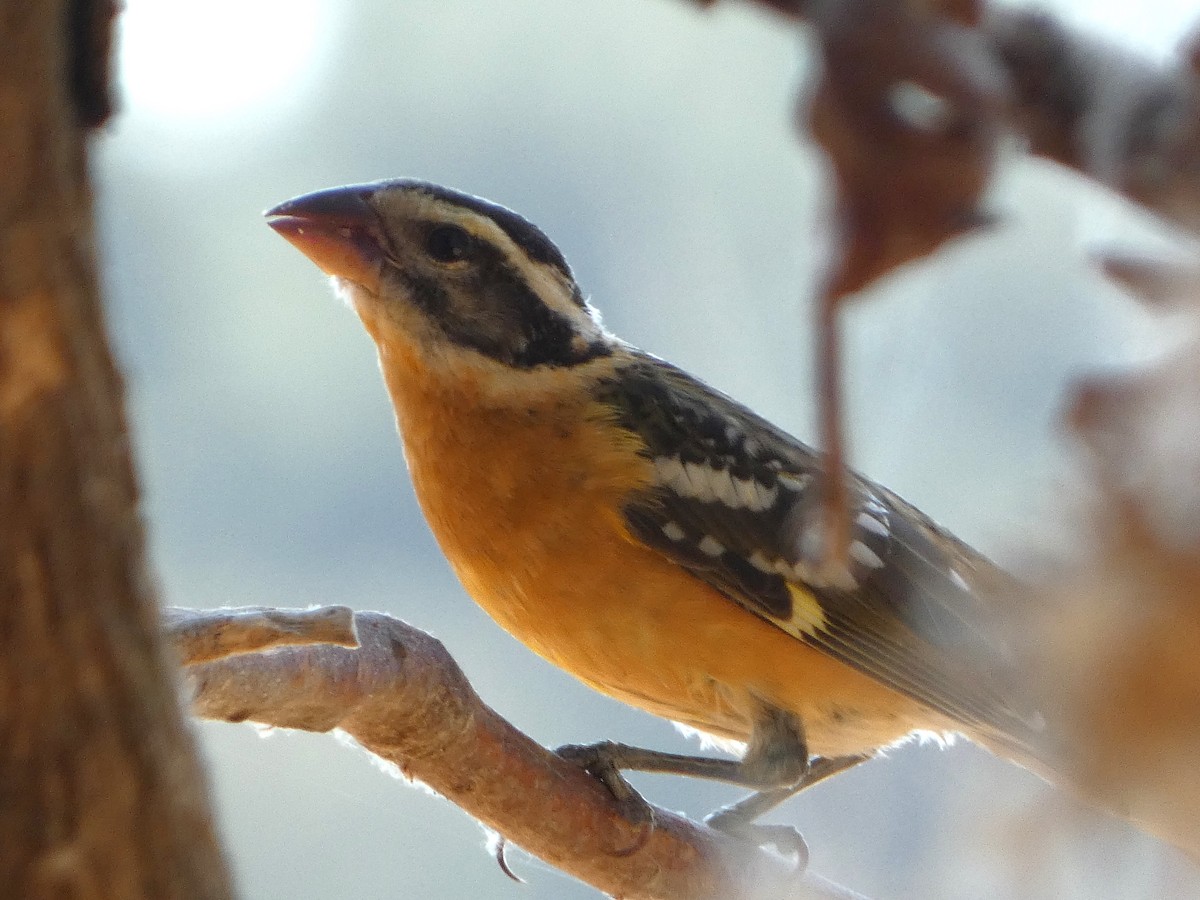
(525, 501)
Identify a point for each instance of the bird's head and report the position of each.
(445, 276)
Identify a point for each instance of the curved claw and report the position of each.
(645, 829)
(502, 859)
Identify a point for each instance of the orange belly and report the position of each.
(525, 502)
(638, 628)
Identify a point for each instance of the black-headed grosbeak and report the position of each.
(638, 528)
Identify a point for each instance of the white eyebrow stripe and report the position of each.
(696, 481)
(551, 286)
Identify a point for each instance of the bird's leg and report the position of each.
(738, 818)
(604, 761)
(777, 756)
(776, 764)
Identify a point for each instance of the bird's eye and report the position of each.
(448, 243)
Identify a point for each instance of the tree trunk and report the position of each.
(100, 791)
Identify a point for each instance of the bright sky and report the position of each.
(1154, 27)
(219, 58)
(187, 61)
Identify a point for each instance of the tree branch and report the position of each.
(402, 697)
(219, 633)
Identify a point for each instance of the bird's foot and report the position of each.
(603, 762)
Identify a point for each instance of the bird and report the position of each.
(644, 531)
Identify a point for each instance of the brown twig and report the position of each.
(908, 117)
(403, 698)
(835, 501)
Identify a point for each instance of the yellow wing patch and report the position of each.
(808, 617)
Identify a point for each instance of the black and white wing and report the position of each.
(735, 504)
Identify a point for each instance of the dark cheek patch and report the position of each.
(427, 293)
(489, 308)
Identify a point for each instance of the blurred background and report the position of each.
(653, 142)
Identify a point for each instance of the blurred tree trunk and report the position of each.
(100, 792)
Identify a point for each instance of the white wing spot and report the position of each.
(798, 572)
(870, 523)
(724, 488)
(710, 546)
(791, 571)
(761, 563)
(811, 541)
(840, 578)
(700, 481)
(669, 471)
(863, 554)
(706, 484)
(745, 492)
(754, 496)
(795, 483)
(674, 532)
(873, 506)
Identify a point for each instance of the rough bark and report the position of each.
(100, 792)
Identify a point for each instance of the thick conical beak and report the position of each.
(337, 229)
